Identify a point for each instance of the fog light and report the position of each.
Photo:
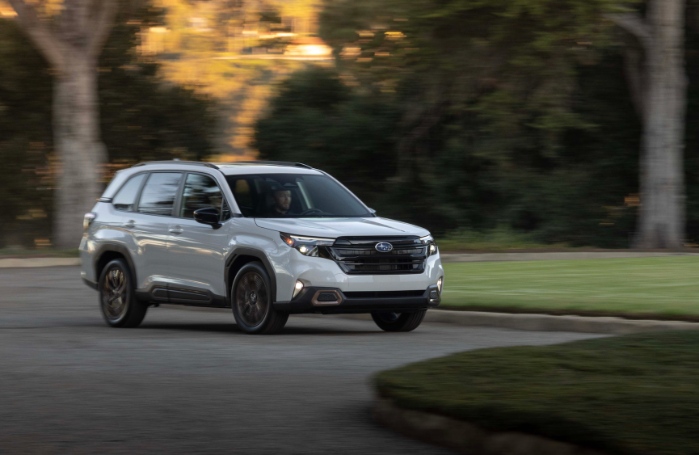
(433, 249)
(298, 287)
(439, 284)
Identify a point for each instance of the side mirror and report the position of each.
(372, 211)
(208, 215)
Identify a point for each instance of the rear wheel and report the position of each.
(251, 301)
(398, 322)
(118, 302)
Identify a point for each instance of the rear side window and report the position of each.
(158, 196)
(125, 199)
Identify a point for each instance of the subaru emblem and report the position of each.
(383, 247)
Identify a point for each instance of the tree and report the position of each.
(488, 94)
(659, 87)
(71, 42)
(317, 120)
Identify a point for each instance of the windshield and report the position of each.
(293, 196)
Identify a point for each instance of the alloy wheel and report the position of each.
(252, 299)
(115, 294)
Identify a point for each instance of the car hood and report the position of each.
(340, 227)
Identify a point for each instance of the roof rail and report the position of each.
(176, 161)
(273, 163)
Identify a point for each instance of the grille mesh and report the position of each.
(359, 256)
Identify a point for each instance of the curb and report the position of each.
(465, 437)
(544, 322)
(556, 256)
(38, 262)
(550, 323)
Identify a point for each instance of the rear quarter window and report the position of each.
(125, 199)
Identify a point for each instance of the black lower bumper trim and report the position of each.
(318, 300)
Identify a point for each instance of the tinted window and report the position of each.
(294, 195)
(158, 195)
(200, 191)
(243, 195)
(125, 199)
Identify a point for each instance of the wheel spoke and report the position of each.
(114, 294)
(121, 285)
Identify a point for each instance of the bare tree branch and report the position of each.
(102, 26)
(634, 24)
(47, 41)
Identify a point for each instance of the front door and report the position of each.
(198, 251)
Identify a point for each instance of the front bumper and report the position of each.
(334, 301)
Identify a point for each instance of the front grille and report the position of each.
(357, 255)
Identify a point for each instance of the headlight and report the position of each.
(307, 246)
(431, 246)
(88, 219)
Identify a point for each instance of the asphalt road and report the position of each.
(187, 381)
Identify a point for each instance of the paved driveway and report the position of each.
(188, 381)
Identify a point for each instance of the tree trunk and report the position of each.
(80, 151)
(661, 219)
(659, 88)
(71, 42)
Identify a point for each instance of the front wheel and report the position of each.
(120, 307)
(398, 322)
(251, 301)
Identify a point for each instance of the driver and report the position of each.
(282, 202)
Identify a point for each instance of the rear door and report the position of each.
(150, 225)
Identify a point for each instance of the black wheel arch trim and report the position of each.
(114, 248)
(257, 254)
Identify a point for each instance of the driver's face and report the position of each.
(282, 199)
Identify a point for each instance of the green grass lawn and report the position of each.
(635, 395)
(665, 287)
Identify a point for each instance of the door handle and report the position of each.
(130, 224)
(175, 230)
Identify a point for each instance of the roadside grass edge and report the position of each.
(630, 395)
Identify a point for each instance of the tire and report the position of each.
(398, 322)
(118, 302)
(251, 301)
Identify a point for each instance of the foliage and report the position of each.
(498, 239)
(625, 395)
(141, 118)
(317, 120)
(510, 113)
(25, 137)
(144, 118)
(226, 58)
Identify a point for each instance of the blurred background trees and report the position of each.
(141, 118)
(496, 125)
(512, 114)
(478, 115)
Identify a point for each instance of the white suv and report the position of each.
(266, 239)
